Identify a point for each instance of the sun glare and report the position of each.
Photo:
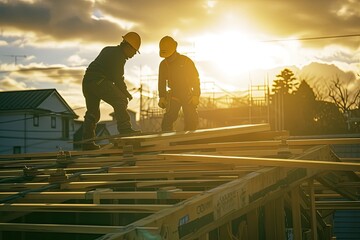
(234, 52)
(231, 52)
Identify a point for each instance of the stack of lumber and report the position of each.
(179, 185)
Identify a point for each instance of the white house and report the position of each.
(111, 125)
(35, 121)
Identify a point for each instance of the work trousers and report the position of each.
(172, 113)
(94, 92)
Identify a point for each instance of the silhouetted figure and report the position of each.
(178, 73)
(104, 80)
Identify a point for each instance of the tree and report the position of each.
(282, 100)
(285, 83)
(328, 118)
(344, 99)
(304, 110)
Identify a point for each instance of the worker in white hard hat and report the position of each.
(104, 80)
(178, 73)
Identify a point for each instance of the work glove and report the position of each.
(128, 95)
(194, 100)
(162, 103)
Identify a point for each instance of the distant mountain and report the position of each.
(321, 75)
(318, 75)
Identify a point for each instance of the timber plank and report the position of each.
(324, 165)
(178, 137)
(51, 207)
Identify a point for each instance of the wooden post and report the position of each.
(225, 232)
(275, 219)
(243, 235)
(280, 218)
(296, 215)
(270, 220)
(97, 194)
(312, 210)
(205, 236)
(253, 225)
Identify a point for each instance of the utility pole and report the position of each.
(16, 57)
(141, 102)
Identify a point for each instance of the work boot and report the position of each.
(90, 146)
(88, 133)
(129, 131)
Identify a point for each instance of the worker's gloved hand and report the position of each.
(162, 102)
(194, 100)
(128, 95)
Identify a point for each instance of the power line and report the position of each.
(16, 57)
(314, 38)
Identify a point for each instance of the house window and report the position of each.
(65, 128)
(53, 122)
(36, 120)
(16, 149)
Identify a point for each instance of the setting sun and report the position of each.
(234, 52)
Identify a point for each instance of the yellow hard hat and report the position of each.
(133, 39)
(167, 46)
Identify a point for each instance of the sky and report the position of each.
(234, 43)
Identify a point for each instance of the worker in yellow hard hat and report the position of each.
(104, 80)
(178, 73)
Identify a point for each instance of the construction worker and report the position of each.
(178, 73)
(104, 80)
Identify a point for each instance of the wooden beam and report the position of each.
(253, 224)
(64, 196)
(296, 214)
(54, 154)
(247, 145)
(225, 231)
(313, 221)
(278, 162)
(64, 228)
(226, 202)
(270, 220)
(280, 218)
(116, 184)
(337, 205)
(72, 207)
(177, 137)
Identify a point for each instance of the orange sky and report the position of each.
(232, 42)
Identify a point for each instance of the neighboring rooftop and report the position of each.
(28, 99)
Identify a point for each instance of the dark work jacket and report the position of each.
(108, 66)
(180, 75)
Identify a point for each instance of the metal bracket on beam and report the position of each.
(30, 171)
(63, 158)
(58, 176)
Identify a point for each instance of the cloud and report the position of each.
(39, 74)
(107, 21)
(3, 43)
(76, 60)
(10, 84)
(60, 20)
(79, 29)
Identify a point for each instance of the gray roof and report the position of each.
(27, 99)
